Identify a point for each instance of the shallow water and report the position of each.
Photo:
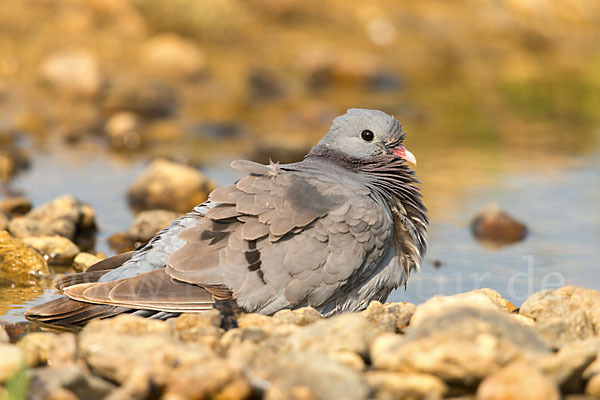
(559, 202)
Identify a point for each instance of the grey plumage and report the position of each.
(341, 228)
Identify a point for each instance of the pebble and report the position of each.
(74, 73)
(518, 381)
(403, 385)
(301, 316)
(15, 206)
(83, 261)
(11, 361)
(144, 97)
(43, 348)
(148, 223)
(19, 261)
(495, 227)
(169, 186)
(66, 383)
(57, 250)
(461, 346)
(63, 216)
(172, 56)
(124, 131)
(3, 222)
(565, 314)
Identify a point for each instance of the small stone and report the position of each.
(57, 250)
(204, 328)
(440, 304)
(398, 385)
(214, 378)
(67, 382)
(170, 186)
(252, 320)
(63, 216)
(117, 348)
(128, 324)
(74, 73)
(124, 131)
(15, 206)
(565, 314)
(568, 366)
(461, 346)
(390, 317)
(11, 361)
(17, 330)
(518, 381)
(349, 359)
(148, 223)
(146, 98)
(494, 227)
(301, 316)
(3, 222)
(19, 261)
(593, 386)
(42, 348)
(344, 332)
(122, 242)
(309, 375)
(84, 260)
(4, 338)
(23, 227)
(173, 56)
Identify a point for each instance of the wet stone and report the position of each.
(19, 261)
(63, 216)
(148, 223)
(494, 227)
(17, 330)
(57, 250)
(83, 261)
(169, 186)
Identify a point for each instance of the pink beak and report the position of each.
(403, 152)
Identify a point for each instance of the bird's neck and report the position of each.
(394, 182)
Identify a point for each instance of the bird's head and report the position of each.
(363, 134)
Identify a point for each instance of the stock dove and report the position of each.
(339, 229)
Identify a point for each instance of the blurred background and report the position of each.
(500, 99)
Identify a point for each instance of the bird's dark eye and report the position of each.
(367, 135)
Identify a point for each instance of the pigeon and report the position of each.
(344, 226)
